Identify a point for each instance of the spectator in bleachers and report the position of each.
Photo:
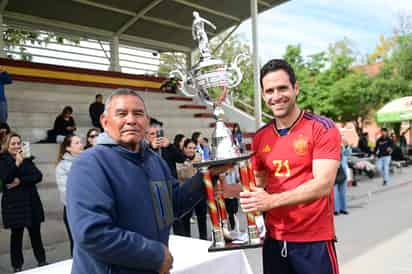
(238, 137)
(200, 208)
(179, 141)
(21, 205)
(198, 139)
(185, 170)
(91, 137)
(64, 125)
(95, 110)
(69, 150)
(4, 130)
(161, 144)
(206, 148)
(5, 79)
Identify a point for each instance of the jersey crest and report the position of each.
(301, 145)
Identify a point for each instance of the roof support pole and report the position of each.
(3, 5)
(114, 55)
(2, 52)
(256, 77)
(189, 61)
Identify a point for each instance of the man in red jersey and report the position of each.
(296, 159)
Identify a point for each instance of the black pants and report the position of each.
(16, 245)
(181, 226)
(69, 233)
(201, 211)
(232, 206)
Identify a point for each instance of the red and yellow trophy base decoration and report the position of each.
(221, 237)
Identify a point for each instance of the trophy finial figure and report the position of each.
(199, 34)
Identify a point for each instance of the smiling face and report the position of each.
(14, 146)
(279, 94)
(189, 150)
(125, 120)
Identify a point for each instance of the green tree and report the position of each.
(351, 100)
(402, 57)
(15, 39)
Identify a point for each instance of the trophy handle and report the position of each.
(233, 82)
(188, 88)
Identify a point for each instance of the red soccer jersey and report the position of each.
(288, 161)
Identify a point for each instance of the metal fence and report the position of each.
(87, 53)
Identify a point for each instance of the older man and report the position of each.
(122, 199)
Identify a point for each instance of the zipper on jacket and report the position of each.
(159, 197)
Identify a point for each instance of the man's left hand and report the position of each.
(256, 200)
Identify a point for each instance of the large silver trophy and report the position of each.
(209, 81)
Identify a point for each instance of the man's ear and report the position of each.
(297, 88)
(103, 121)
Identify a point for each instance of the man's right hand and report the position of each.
(167, 261)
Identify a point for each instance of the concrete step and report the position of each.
(43, 120)
(35, 134)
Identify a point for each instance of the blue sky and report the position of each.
(314, 24)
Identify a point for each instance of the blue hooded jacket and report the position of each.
(120, 207)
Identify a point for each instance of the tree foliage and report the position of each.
(16, 39)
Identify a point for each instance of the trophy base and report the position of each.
(233, 246)
(233, 160)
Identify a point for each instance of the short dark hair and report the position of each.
(67, 110)
(384, 129)
(99, 95)
(187, 142)
(195, 136)
(178, 139)
(277, 64)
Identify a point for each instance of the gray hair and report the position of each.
(119, 92)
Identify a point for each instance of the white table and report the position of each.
(190, 257)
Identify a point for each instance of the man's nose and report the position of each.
(131, 119)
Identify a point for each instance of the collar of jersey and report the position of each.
(275, 129)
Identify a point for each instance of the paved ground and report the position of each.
(376, 237)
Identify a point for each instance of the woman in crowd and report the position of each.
(341, 185)
(64, 124)
(179, 141)
(21, 205)
(184, 171)
(69, 150)
(238, 137)
(91, 137)
(198, 139)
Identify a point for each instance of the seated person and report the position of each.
(63, 125)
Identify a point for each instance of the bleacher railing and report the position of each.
(87, 53)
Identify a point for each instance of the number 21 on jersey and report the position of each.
(282, 168)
